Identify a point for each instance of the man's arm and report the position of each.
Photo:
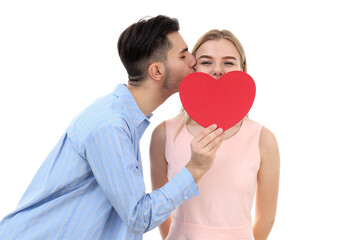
(112, 159)
(111, 156)
(158, 168)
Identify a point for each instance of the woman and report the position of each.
(246, 162)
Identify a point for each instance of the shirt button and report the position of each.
(185, 197)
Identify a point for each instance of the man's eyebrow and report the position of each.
(184, 50)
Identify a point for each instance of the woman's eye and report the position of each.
(205, 63)
(229, 63)
(183, 57)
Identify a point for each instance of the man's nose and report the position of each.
(192, 61)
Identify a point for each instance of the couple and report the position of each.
(91, 184)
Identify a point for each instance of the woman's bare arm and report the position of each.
(267, 185)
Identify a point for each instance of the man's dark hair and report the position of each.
(145, 42)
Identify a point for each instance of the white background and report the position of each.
(56, 57)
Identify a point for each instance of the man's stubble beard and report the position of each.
(169, 86)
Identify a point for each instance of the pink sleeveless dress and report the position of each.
(223, 208)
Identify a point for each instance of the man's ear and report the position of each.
(156, 71)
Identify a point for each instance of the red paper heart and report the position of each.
(224, 101)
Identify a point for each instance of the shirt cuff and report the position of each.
(181, 188)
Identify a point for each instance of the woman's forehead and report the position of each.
(217, 48)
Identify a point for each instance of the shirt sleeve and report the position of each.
(112, 157)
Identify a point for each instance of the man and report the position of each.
(91, 185)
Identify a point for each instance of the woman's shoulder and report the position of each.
(267, 143)
(267, 137)
(174, 122)
(160, 130)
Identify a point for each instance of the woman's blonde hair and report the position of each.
(215, 34)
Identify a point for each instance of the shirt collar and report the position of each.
(136, 115)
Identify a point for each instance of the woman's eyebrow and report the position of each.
(205, 56)
(229, 57)
(226, 57)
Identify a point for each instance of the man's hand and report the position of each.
(203, 151)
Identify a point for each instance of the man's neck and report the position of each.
(148, 98)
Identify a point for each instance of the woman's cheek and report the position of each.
(203, 69)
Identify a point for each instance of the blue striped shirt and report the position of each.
(91, 185)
